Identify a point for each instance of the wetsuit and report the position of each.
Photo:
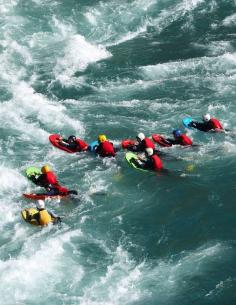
(207, 126)
(181, 140)
(105, 149)
(152, 163)
(49, 181)
(77, 145)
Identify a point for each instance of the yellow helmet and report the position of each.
(102, 138)
(45, 169)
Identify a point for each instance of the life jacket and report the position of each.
(216, 124)
(157, 164)
(44, 217)
(49, 178)
(185, 140)
(106, 149)
(147, 143)
(81, 145)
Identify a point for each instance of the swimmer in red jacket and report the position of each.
(73, 143)
(152, 162)
(49, 181)
(207, 124)
(179, 138)
(105, 148)
(142, 143)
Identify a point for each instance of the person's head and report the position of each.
(177, 133)
(102, 138)
(149, 151)
(140, 137)
(206, 117)
(40, 204)
(71, 139)
(45, 169)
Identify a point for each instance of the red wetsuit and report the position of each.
(106, 149)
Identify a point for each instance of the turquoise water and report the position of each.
(118, 67)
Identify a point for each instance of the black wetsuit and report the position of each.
(177, 141)
(202, 126)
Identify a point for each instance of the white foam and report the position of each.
(11, 180)
(229, 20)
(118, 285)
(78, 54)
(29, 103)
(7, 6)
(38, 268)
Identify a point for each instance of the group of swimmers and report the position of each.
(105, 148)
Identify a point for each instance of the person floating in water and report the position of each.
(208, 124)
(142, 143)
(179, 138)
(152, 162)
(49, 181)
(42, 217)
(105, 148)
(73, 143)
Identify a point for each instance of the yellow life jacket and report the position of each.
(44, 218)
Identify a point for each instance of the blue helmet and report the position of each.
(177, 133)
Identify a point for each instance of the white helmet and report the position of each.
(40, 204)
(149, 151)
(206, 117)
(141, 136)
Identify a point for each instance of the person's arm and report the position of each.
(57, 219)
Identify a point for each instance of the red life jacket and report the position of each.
(106, 149)
(148, 143)
(157, 164)
(81, 145)
(185, 140)
(216, 124)
(50, 178)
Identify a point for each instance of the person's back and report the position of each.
(43, 217)
(153, 161)
(180, 138)
(105, 148)
(207, 124)
(47, 177)
(81, 145)
(143, 143)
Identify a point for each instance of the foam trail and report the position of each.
(79, 53)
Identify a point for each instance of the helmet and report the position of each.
(40, 204)
(149, 151)
(72, 138)
(45, 169)
(206, 117)
(102, 138)
(141, 136)
(177, 133)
